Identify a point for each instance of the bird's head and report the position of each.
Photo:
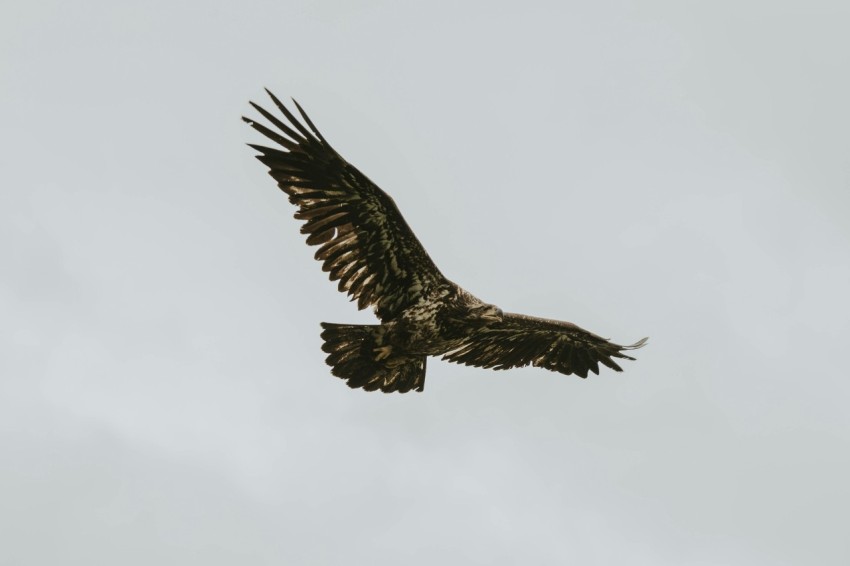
(486, 315)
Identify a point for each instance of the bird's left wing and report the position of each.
(521, 340)
(364, 241)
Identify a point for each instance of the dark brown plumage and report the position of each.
(366, 245)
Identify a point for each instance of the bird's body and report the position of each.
(438, 322)
(366, 245)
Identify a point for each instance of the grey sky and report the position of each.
(671, 169)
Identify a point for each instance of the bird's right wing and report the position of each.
(364, 241)
(520, 340)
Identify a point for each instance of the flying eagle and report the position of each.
(366, 245)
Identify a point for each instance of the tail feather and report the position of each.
(354, 356)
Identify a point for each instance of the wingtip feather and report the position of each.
(639, 344)
(310, 123)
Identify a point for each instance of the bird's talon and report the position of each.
(382, 352)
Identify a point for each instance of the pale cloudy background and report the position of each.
(676, 169)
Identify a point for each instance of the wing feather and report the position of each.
(365, 243)
(520, 340)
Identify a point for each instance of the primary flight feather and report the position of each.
(365, 244)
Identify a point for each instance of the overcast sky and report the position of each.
(672, 169)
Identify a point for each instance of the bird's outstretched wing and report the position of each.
(364, 241)
(520, 340)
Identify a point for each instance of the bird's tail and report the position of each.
(357, 354)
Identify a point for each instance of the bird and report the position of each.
(365, 244)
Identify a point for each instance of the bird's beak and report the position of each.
(493, 314)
